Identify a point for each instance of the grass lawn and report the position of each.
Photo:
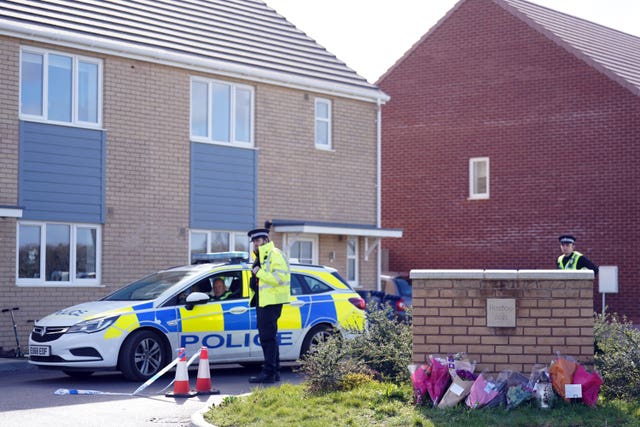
(378, 404)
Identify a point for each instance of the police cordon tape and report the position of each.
(64, 391)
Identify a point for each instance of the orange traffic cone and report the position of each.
(181, 382)
(203, 382)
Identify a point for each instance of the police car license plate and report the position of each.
(39, 350)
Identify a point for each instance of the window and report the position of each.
(352, 260)
(56, 253)
(302, 250)
(323, 124)
(204, 241)
(479, 178)
(221, 112)
(307, 285)
(60, 88)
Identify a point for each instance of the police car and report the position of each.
(138, 328)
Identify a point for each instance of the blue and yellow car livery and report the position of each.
(138, 328)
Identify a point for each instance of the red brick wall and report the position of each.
(560, 135)
(554, 314)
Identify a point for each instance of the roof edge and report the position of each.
(566, 45)
(317, 227)
(419, 41)
(127, 50)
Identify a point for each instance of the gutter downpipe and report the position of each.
(379, 190)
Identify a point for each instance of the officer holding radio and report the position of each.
(269, 290)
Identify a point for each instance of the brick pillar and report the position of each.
(553, 313)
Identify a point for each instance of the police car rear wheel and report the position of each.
(315, 336)
(143, 355)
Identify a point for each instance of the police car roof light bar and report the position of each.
(213, 257)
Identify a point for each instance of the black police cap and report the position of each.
(258, 232)
(567, 238)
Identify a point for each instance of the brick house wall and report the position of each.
(147, 196)
(146, 120)
(561, 138)
(338, 185)
(553, 315)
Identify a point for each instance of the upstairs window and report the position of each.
(60, 88)
(323, 124)
(479, 178)
(221, 112)
(206, 241)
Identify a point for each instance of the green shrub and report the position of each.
(386, 347)
(328, 364)
(617, 356)
(354, 380)
(384, 350)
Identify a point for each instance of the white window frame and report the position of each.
(313, 239)
(76, 59)
(232, 113)
(232, 239)
(73, 280)
(322, 120)
(356, 263)
(474, 180)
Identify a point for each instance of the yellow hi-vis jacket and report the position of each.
(572, 262)
(274, 277)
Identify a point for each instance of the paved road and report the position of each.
(28, 397)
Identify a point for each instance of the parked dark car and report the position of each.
(397, 284)
(380, 300)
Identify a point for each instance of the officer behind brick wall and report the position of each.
(572, 259)
(269, 289)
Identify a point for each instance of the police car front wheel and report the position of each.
(143, 354)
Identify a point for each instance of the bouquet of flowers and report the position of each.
(590, 382)
(500, 386)
(419, 376)
(483, 391)
(432, 378)
(438, 381)
(518, 390)
(459, 389)
(561, 371)
(540, 382)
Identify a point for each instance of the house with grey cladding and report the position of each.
(135, 134)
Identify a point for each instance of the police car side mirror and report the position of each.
(196, 298)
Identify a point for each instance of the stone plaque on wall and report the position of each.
(501, 312)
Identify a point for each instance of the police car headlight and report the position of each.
(93, 325)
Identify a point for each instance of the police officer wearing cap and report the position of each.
(269, 290)
(572, 259)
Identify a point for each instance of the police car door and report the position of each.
(293, 322)
(223, 326)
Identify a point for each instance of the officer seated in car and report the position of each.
(220, 291)
(203, 286)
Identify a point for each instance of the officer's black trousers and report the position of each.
(268, 330)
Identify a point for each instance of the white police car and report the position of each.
(138, 328)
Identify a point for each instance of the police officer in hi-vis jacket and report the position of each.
(572, 259)
(269, 290)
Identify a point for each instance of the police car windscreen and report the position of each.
(149, 287)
